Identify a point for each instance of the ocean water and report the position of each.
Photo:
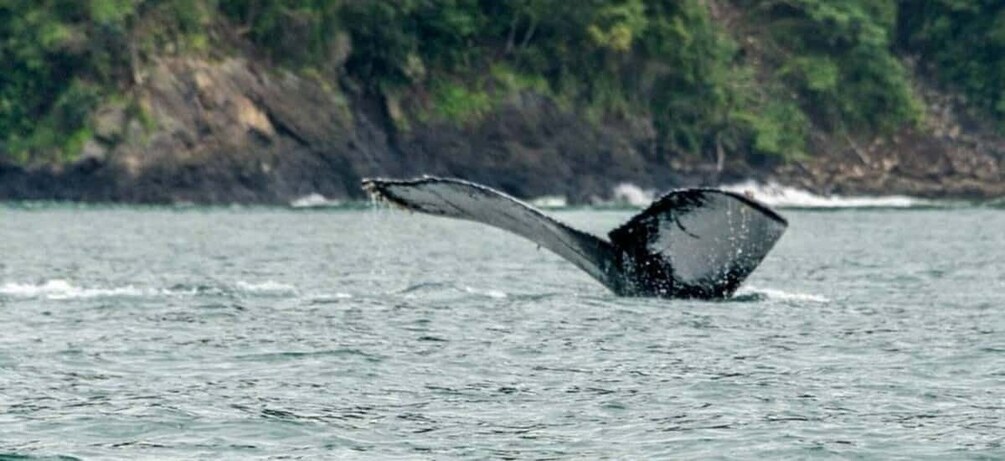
(348, 333)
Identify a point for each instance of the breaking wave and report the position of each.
(60, 289)
(267, 287)
(774, 194)
(315, 201)
(496, 294)
(550, 201)
(752, 293)
(632, 195)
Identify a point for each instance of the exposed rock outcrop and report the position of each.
(953, 155)
(233, 131)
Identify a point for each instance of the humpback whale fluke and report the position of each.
(690, 243)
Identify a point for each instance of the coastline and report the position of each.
(233, 131)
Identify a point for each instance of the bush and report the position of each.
(838, 57)
(961, 42)
(826, 63)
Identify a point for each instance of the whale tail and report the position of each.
(693, 243)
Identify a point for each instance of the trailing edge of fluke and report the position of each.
(691, 243)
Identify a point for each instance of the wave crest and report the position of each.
(757, 294)
(777, 195)
(632, 195)
(62, 289)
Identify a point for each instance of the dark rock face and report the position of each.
(532, 148)
(219, 133)
(910, 163)
(231, 132)
(955, 155)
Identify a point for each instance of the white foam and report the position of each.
(332, 296)
(496, 294)
(62, 289)
(59, 289)
(266, 287)
(550, 201)
(314, 200)
(632, 195)
(774, 194)
(781, 295)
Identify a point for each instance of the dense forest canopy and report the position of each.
(749, 76)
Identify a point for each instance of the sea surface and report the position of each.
(362, 333)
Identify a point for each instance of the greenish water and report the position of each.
(256, 333)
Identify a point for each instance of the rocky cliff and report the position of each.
(234, 129)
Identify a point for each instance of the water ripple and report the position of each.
(866, 334)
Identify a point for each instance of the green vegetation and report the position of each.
(837, 56)
(961, 42)
(754, 78)
(59, 59)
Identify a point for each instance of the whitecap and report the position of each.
(632, 195)
(774, 194)
(550, 201)
(332, 296)
(266, 287)
(62, 289)
(780, 295)
(496, 294)
(314, 200)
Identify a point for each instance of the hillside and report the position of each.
(264, 101)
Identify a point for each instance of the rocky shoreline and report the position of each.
(230, 131)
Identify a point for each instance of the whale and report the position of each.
(699, 243)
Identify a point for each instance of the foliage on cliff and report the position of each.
(961, 42)
(746, 76)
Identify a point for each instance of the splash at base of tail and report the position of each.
(692, 243)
